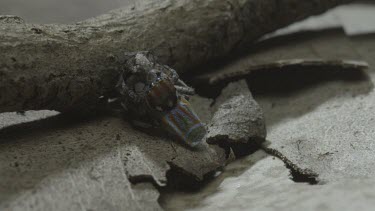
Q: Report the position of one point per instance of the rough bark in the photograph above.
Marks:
(61, 67)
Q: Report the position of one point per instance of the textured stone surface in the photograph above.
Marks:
(327, 126)
(264, 184)
(320, 120)
(65, 164)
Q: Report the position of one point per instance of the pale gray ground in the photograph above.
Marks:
(324, 125)
(328, 126)
(261, 182)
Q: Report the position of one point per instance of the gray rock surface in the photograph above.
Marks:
(319, 120)
(327, 127)
(69, 168)
(265, 185)
(64, 164)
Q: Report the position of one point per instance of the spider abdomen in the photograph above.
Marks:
(184, 123)
(162, 95)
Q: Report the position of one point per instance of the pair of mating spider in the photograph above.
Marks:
(154, 95)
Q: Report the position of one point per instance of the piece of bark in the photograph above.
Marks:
(322, 127)
(64, 67)
(230, 74)
(238, 119)
(235, 121)
(61, 164)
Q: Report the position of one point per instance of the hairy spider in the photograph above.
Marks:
(155, 96)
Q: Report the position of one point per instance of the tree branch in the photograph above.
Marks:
(64, 67)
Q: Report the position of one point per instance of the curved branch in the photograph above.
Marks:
(64, 67)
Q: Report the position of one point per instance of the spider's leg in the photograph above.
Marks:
(185, 90)
(173, 74)
(181, 83)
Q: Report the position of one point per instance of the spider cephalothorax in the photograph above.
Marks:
(156, 96)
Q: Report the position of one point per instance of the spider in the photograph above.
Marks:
(154, 95)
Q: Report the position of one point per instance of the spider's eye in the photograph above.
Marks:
(153, 76)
